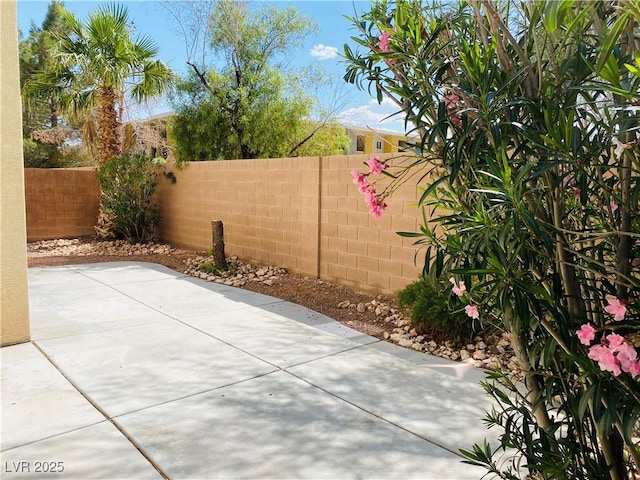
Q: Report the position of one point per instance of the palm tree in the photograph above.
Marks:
(98, 64)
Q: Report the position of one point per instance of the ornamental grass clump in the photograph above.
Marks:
(528, 119)
(127, 185)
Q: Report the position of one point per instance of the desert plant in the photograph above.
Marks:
(127, 184)
(431, 312)
(529, 127)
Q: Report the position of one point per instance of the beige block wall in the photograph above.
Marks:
(304, 214)
(60, 203)
(14, 301)
(357, 249)
(269, 209)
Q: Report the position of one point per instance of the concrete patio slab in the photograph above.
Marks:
(317, 320)
(73, 311)
(132, 368)
(95, 452)
(126, 272)
(280, 427)
(37, 399)
(58, 279)
(188, 297)
(272, 337)
(135, 372)
(413, 395)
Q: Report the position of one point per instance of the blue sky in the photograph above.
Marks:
(322, 49)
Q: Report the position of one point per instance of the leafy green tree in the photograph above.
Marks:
(528, 118)
(45, 131)
(251, 107)
(97, 63)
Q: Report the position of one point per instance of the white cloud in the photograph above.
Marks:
(324, 52)
(374, 115)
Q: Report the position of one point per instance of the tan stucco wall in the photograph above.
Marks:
(14, 303)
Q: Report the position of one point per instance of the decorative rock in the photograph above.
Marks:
(405, 342)
(386, 335)
(344, 304)
(268, 283)
(479, 355)
(361, 308)
(464, 354)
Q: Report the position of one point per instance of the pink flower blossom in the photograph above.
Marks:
(634, 369)
(375, 166)
(627, 356)
(614, 341)
(586, 334)
(360, 179)
(375, 204)
(472, 311)
(635, 262)
(613, 206)
(568, 181)
(383, 43)
(605, 358)
(458, 288)
(577, 193)
(616, 308)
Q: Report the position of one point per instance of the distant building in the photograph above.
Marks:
(364, 140)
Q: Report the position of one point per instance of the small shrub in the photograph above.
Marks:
(210, 268)
(428, 303)
(127, 184)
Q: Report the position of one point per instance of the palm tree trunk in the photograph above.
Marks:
(108, 123)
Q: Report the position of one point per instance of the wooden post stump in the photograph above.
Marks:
(217, 238)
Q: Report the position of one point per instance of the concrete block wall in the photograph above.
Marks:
(356, 249)
(60, 203)
(304, 214)
(269, 209)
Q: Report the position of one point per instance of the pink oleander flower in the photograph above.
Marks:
(613, 206)
(472, 311)
(458, 288)
(568, 181)
(375, 166)
(616, 308)
(375, 204)
(607, 361)
(383, 42)
(627, 356)
(586, 334)
(635, 262)
(360, 179)
(634, 369)
(614, 341)
(577, 193)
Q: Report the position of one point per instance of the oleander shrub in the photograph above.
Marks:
(127, 185)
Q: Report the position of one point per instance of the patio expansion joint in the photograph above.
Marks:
(376, 415)
(102, 412)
